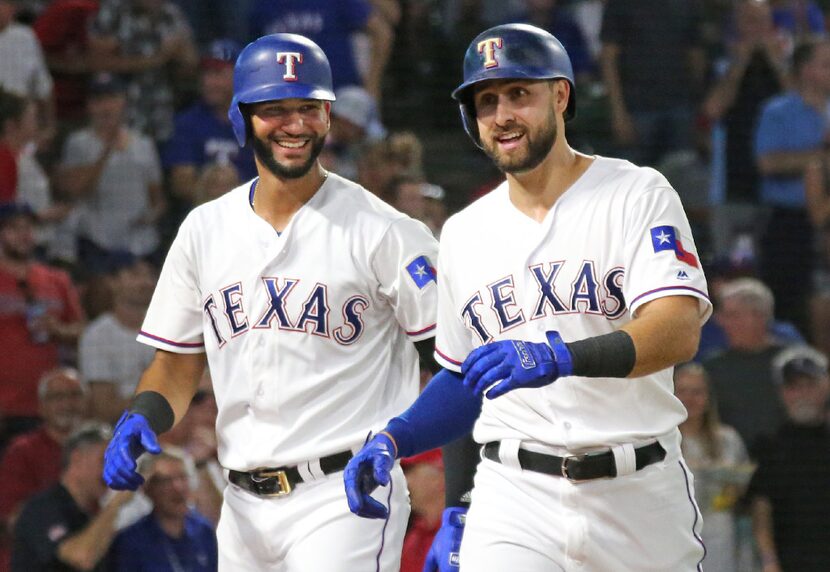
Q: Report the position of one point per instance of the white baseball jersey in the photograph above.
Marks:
(616, 239)
(308, 331)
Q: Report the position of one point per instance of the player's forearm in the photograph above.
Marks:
(85, 549)
(666, 332)
(174, 376)
(443, 412)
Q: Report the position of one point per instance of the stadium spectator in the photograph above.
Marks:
(15, 117)
(380, 162)
(754, 69)
(713, 339)
(425, 480)
(113, 173)
(817, 190)
(332, 26)
(40, 316)
(653, 66)
(150, 42)
(23, 68)
(354, 124)
(32, 460)
(173, 537)
(65, 527)
(550, 15)
(791, 132)
(62, 31)
(22, 178)
(215, 179)
(111, 360)
(203, 132)
(719, 462)
(195, 434)
(741, 376)
(789, 493)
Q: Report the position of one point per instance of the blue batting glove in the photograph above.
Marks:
(133, 436)
(443, 554)
(372, 466)
(517, 364)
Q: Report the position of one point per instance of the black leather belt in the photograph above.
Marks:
(280, 481)
(578, 467)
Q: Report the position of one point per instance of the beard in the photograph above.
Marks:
(262, 150)
(539, 144)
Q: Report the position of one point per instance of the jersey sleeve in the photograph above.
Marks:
(174, 318)
(660, 254)
(404, 263)
(452, 339)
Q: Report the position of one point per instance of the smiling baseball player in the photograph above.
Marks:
(306, 293)
(567, 315)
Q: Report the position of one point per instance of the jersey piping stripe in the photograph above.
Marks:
(446, 357)
(695, 290)
(419, 332)
(697, 517)
(170, 342)
(385, 524)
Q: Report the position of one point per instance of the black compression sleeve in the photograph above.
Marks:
(426, 351)
(609, 355)
(461, 458)
(155, 407)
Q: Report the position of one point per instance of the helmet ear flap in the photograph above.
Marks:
(468, 118)
(237, 122)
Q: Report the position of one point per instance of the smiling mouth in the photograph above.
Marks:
(510, 137)
(292, 144)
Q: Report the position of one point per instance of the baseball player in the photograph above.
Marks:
(305, 292)
(568, 316)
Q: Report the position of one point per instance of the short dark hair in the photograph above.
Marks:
(804, 51)
(87, 434)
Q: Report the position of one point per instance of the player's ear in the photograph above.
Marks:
(561, 95)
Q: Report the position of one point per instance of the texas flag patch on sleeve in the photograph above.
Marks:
(665, 238)
(421, 271)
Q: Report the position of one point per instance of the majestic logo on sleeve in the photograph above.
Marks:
(290, 60)
(665, 238)
(421, 271)
(582, 291)
(488, 49)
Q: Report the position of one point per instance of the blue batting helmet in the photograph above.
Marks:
(511, 51)
(279, 66)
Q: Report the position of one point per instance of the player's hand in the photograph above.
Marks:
(517, 364)
(133, 436)
(443, 554)
(372, 466)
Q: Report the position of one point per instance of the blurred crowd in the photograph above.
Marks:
(113, 126)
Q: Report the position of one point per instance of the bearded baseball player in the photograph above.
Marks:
(567, 314)
(305, 294)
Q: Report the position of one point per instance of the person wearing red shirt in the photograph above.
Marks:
(32, 460)
(40, 312)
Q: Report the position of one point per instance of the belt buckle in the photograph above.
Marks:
(565, 462)
(263, 475)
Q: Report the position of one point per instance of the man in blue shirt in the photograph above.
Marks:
(203, 132)
(173, 537)
(332, 26)
(791, 133)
